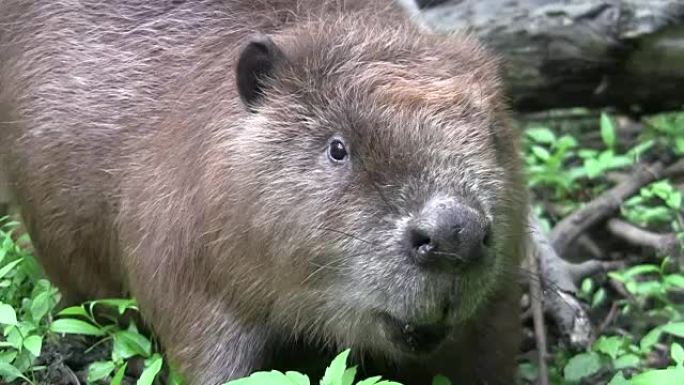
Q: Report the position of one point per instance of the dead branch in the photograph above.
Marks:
(560, 289)
(591, 53)
(568, 229)
(665, 244)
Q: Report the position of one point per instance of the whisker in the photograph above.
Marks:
(346, 234)
(383, 198)
(455, 255)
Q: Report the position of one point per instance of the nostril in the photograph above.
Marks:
(421, 243)
(419, 239)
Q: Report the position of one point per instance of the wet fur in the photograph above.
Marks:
(138, 171)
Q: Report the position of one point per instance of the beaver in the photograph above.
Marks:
(270, 178)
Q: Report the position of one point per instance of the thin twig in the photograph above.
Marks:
(622, 290)
(666, 244)
(579, 271)
(536, 296)
(612, 314)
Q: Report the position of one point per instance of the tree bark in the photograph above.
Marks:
(627, 54)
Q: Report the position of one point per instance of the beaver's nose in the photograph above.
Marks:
(447, 232)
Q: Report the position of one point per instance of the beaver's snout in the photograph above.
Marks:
(447, 232)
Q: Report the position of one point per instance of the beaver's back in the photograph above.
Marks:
(86, 84)
(78, 81)
(83, 86)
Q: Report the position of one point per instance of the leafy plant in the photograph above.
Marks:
(650, 313)
(547, 158)
(336, 374)
(126, 342)
(669, 128)
(658, 202)
(560, 163)
(26, 303)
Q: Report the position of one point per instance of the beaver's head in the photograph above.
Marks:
(379, 178)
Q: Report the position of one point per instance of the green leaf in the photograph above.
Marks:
(647, 288)
(333, 374)
(10, 373)
(662, 189)
(7, 315)
(640, 148)
(610, 346)
(77, 311)
(679, 145)
(132, 343)
(606, 158)
(565, 142)
(619, 162)
(677, 354)
(640, 270)
(151, 371)
(14, 337)
(298, 378)
(34, 344)
(675, 280)
(26, 328)
(8, 356)
(593, 168)
(607, 131)
(587, 286)
(675, 328)
(118, 377)
(8, 267)
(541, 153)
(348, 376)
(674, 200)
(74, 326)
(40, 306)
(273, 377)
(99, 370)
(541, 135)
(370, 381)
(440, 380)
(528, 371)
(586, 153)
(618, 276)
(120, 304)
(651, 338)
(581, 366)
(672, 376)
(627, 361)
(599, 298)
(618, 379)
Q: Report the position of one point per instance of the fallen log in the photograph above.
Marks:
(627, 54)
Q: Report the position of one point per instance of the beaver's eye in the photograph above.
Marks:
(336, 151)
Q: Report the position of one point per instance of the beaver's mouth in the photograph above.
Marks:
(415, 338)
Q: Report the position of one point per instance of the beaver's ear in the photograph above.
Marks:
(259, 57)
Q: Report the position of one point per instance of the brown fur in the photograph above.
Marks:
(138, 170)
